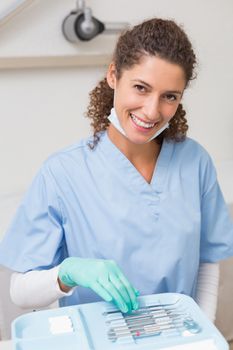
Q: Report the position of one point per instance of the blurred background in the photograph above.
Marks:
(44, 86)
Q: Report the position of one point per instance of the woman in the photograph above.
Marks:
(134, 209)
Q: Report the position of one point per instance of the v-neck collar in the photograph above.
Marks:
(118, 160)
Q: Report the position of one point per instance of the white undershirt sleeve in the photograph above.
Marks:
(36, 289)
(207, 289)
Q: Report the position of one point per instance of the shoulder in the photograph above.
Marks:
(190, 151)
(191, 147)
(67, 159)
(74, 152)
(191, 157)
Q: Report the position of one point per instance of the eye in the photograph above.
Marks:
(170, 97)
(140, 88)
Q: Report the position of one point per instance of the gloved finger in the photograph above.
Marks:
(116, 296)
(102, 292)
(121, 289)
(130, 290)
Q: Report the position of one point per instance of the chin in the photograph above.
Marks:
(139, 140)
(139, 137)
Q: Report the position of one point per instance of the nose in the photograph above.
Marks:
(151, 108)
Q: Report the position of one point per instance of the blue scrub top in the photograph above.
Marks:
(95, 204)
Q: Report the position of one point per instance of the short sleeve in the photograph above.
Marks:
(34, 239)
(216, 223)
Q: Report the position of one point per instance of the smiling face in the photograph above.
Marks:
(146, 96)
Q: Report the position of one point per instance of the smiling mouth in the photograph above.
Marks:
(141, 123)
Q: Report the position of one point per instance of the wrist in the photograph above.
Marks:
(62, 286)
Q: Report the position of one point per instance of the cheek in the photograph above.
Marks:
(125, 100)
(169, 111)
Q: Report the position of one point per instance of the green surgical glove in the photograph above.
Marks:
(104, 277)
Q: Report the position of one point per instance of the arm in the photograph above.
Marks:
(207, 289)
(36, 289)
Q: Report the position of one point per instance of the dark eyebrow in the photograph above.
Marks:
(142, 82)
(174, 92)
(149, 86)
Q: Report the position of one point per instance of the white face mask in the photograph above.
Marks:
(115, 121)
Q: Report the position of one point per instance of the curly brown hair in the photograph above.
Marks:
(154, 37)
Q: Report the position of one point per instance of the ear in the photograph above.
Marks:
(111, 75)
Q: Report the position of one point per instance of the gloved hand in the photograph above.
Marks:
(103, 276)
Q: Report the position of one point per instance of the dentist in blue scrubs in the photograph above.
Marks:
(134, 209)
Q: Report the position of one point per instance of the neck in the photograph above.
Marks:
(143, 153)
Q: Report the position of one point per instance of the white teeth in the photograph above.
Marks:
(141, 123)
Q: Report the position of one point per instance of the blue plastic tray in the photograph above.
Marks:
(91, 324)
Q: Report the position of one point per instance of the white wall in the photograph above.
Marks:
(41, 110)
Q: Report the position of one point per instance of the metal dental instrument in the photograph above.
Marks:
(147, 318)
(154, 314)
(144, 324)
(151, 320)
(145, 308)
(139, 316)
(154, 330)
